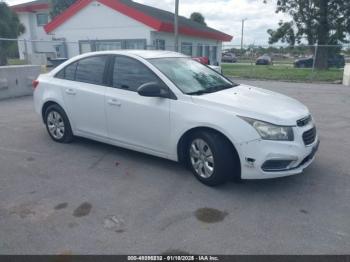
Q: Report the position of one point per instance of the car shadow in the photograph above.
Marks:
(133, 156)
(275, 185)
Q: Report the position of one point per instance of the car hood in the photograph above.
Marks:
(257, 103)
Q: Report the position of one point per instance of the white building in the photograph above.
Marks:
(114, 24)
(34, 16)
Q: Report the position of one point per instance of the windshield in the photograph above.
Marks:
(192, 77)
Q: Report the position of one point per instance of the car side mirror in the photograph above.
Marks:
(152, 89)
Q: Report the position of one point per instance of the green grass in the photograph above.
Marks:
(16, 62)
(281, 61)
(281, 72)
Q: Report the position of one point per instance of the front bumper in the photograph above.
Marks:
(255, 153)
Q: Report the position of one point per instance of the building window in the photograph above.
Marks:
(207, 52)
(160, 44)
(214, 55)
(42, 19)
(85, 47)
(135, 44)
(108, 45)
(186, 48)
(200, 50)
(105, 45)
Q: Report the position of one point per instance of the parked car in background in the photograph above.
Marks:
(229, 58)
(304, 62)
(335, 61)
(264, 60)
(202, 59)
(165, 104)
(205, 61)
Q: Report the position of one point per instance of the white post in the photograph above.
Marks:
(242, 36)
(26, 56)
(315, 57)
(346, 78)
(176, 25)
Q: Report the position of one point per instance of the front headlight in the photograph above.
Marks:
(269, 131)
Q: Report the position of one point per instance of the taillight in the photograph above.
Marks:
(35, 83)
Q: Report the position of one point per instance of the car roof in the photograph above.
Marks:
(146, 54)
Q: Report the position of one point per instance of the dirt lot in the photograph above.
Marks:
(91, 198)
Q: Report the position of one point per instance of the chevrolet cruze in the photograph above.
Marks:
(168, 105)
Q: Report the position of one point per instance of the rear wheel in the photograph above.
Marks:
(57, 124)
(212, 159)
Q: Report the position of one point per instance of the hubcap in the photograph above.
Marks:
(55, 124)
(202, 159)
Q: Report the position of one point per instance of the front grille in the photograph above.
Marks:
(304, 121)
(309, 136)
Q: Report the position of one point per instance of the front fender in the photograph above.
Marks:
(186, 116)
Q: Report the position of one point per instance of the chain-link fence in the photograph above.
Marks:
(299, 63)
(35, 52)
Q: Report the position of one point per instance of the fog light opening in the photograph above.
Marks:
(276, 165)
(250, 161)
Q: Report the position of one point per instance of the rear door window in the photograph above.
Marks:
(88, 70)
(91, 70)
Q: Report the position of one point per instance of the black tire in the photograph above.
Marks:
(67, 136)
(226, 160)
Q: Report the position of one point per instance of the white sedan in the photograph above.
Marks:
(165, 104)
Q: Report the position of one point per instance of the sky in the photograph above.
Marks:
(226, 16)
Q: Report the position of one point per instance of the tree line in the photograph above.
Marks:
(317, 22)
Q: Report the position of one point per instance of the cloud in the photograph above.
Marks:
(226, 16)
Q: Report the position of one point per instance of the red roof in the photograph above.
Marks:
(32, 6)
(155, 18)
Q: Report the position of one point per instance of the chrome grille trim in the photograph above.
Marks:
(304, 121)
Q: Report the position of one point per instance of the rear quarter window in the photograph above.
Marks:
(87, 70)
(68, 73)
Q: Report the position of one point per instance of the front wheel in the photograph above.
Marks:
(57, 124)
(212, 158)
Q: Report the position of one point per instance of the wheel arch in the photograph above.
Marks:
(46, 106)
(184, 140)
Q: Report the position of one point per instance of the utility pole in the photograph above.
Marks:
(176, 25)
(243, 20)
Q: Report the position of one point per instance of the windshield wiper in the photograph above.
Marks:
(199, 92)
(221, 87)
(212, 89)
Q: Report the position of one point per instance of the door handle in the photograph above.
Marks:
(114, 102)
(71, 91)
